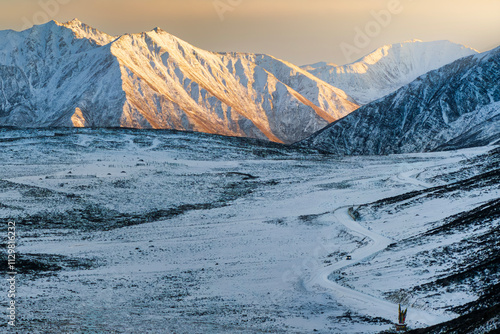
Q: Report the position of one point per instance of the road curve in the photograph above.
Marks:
(358, 301)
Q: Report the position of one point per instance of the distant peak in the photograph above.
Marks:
(411, 42)
(415, 40)
(162, 33)
(82, 30)
(48, 23)
(75, 21)
(443, 43)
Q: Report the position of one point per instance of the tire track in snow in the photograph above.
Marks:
(409, 177)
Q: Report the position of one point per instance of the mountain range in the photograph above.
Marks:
(389, 68)
(72, 75)
(456, 106)
(69, 74)
(127, 230)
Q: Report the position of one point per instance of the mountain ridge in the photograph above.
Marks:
(389, 67)
(165, 83)
(70, 74)
(453, 107)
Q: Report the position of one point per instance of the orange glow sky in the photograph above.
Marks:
(300, 31)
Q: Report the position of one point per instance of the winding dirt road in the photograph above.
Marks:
(358, 301)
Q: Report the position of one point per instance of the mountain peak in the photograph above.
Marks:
(162, 33)
(390, 67)
(84, 31)
(156, 80)
(455, 106)
(414, 40)
(74, 21)
(415, 48)
(158, 31)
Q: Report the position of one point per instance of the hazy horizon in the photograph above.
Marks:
(299, 31)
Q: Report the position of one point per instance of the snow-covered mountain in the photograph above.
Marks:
(452, 107)
(389, 68)
(73, 75)
(57, 75)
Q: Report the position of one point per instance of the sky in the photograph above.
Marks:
(300, 31)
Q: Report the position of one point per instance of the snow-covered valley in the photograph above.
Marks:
(126, 231)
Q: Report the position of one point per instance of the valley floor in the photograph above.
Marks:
(127, 231)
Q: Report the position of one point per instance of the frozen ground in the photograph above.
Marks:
(165, 232)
